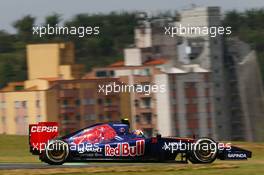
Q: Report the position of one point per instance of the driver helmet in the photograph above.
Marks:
(138, 132)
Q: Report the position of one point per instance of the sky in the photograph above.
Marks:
(11, 10)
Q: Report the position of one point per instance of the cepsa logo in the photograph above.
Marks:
(124, 149)
(44, 129)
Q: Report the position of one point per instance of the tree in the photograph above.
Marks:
(6, 73)
(53, 19)
(6, 42)
(24, 27)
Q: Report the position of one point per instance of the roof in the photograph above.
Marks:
(32, 88)
(175, 70)
(117, 64)
(186, 69)
(157, 61)
(16, 83)
(194, 68)
(50, 78)
(152, 62)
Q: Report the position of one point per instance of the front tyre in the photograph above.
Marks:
(204, 151)
(56, 152)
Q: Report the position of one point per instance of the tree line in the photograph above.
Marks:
(116, 33)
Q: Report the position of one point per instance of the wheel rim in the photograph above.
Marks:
(205, 150)
(57, 151)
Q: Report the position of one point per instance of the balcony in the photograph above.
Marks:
(144, 110)
(139, 79)
(68, 93)
(111, 108)
(68, 110)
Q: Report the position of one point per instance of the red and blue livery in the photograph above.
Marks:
(115, 142)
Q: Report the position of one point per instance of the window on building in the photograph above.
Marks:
(215, 41)
(88, 101)
(108, 101)
(194, 100)
(217, 84)
(37, 103)
(61, 76)
(157, 49)
(101, 73)
(24, 104)
(99, 101)
(112, 73)
(216, 71)
(90, 117)
(3, 119)
(137, 118)
(77, 102)
(146, 102)
(108, 116)
(187, 101)
(145, 72)
(2, 104)
(39, 118)
(17, 104)
(78, 117)
(147, 117)
(66, 117)
(207, 92)
(16, 119)
(136, 102)
(65, 102)
(173, 101)
(186, 85)
(218, 99)
(101, 117)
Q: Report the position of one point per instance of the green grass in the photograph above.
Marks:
(15, 149)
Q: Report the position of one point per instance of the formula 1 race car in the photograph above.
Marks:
(114, 141)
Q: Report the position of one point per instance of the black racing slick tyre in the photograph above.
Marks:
(56, 152)
(204, 151)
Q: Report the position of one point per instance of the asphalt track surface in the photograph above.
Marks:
(10, 166)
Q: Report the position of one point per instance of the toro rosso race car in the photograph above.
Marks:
(114, 141)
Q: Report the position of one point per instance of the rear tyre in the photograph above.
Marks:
(204, 151)
(56, 152)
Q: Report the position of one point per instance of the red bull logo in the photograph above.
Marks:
(124, 149)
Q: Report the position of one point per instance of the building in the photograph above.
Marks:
(237, 104)
(55, 92)
(53, 60)
(245, 89)
(186, 109)
(208, 52)
(233, 107)
(186, 106)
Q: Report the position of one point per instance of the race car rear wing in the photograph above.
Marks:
(40, 134)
